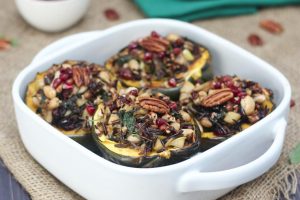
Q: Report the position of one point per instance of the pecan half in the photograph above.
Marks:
(271, 26)
(218, 97)
(153, 104)
(155, 44)
(80, 76)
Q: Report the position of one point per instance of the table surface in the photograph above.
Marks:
(10, 189)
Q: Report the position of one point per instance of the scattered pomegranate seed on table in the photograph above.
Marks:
(292, 103)
(255, 40)
(271, 26)
(111, 14)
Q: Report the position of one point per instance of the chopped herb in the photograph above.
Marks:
(128, 120)
(295, 155)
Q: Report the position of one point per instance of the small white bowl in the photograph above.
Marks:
(52, 15)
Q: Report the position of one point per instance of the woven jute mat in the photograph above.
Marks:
(282, 51)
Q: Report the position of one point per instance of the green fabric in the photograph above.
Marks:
(189, 10)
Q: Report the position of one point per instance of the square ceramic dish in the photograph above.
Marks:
(207, 175)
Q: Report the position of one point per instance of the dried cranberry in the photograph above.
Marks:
(148, 56)
(125, 73)
(194, 94)
(176, 51)
(56, 82)
(229, 83)
(216, 85)
(155, 34)
(69, 81)
(179, 42)
(160, 122)
(90, 109)
(161, 55)
(236, 100)
(67, 86)
(242, 94)
(173, 105)
(132, 46)
(64, 77)
(172, 82)
(292, 103)
(134, 92)
(111, 14)
(255, 40)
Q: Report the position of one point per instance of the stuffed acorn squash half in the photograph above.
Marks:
(65, 96)
(225, 106)
(161, 63)
(141, 129)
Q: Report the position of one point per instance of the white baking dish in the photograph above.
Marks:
(206, 175)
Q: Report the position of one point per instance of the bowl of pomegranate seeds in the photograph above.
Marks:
(174, 109)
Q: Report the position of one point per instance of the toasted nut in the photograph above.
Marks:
(178, 142)
(187, 132)
(187, 87)
(53, 103)
(49, 92)
(87, 94)
(133, 64)
(158, 145)
(128, 90)
(232, 117)
(153, 116)
(253, 118)
(203, 87)
(104, 75)
(35, 101)
(206, 122)
(134, 138)
(185, 116)
(259, 98)
(172, 37)
(80, 101)
(218, 97)
(248, 105)
(187, 55)
(169, 118)
(48, 116)
(266, 93)
(113, 118)
(176, 126)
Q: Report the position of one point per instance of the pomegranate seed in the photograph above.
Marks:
(255, 40)
(111, 14)
(236, 100)
(229, 83)
(161, 55)
(172, 82)
(155, 34)
(148, 56)
(132, 46)
(160, 122)
(226, 78)
(64, 76)
(176, 51)
(69, 81)
(90, 109)
(216, 85)
(125, 73)
(173, 105)
(134, 92)
(179, 42)
(56, 82)
(292, 103)
(67, 86)
(242, 94)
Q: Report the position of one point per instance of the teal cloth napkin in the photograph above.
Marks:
(189, 10)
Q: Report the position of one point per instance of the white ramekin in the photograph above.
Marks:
(207, 175)
(52, 15)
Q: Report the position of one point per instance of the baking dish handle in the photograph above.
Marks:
(196, 181)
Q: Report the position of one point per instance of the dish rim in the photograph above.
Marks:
(279, 110)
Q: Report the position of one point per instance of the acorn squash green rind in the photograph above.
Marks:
(176, 155)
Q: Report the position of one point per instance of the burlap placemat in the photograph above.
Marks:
(281, 51)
